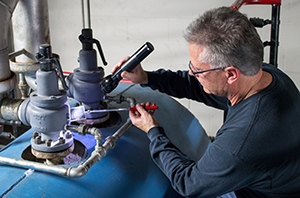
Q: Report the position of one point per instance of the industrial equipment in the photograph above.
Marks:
(56, 148)
(86, 78)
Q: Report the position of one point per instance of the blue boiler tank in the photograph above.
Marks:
(126, 171)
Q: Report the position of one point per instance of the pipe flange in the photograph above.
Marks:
(94, 76)
(8, 84)
(48, 101)
(57, 156)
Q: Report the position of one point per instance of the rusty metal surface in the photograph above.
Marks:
(8, 84)
(20, 67)
(9, 108)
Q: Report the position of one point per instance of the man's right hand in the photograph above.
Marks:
(137, 75)
(143, 119)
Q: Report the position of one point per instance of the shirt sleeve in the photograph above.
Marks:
(181, 85)
(216, 173)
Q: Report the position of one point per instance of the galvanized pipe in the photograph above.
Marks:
(99, 152)
(121, 131)
(33, 165)
(9, 108)
(86, 14)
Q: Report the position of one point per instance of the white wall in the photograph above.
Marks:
(123, 26)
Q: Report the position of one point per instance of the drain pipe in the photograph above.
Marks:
(99, 152)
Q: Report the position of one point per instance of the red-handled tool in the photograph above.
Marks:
(146, 107)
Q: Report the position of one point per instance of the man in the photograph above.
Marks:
(256, 152)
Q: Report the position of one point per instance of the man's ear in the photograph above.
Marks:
(232, 74)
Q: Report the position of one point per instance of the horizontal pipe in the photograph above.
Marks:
(9, 108)
(33, 165)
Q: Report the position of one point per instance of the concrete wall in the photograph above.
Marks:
(123, 26)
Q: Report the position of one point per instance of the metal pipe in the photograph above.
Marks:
(9, 108)
(131, 101)
(31, 80)
(33, 165)
(86, 14)
(274, 43)
(74, 172)
(119, 99)
(237, 4)
(6, 9)
(31, 28)
(99, 153)
(7, 135)
(122, 130)
(23, 86)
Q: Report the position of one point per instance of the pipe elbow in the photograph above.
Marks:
(96, 132)
(77, 172)
(131, 100)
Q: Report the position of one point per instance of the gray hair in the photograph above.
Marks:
(228, 39)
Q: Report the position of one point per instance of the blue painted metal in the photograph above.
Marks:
(127, 170)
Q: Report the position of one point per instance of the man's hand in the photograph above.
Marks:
(137, 75)
(143, 119)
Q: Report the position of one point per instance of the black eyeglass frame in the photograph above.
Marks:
(200, 72)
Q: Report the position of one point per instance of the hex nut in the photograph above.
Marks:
(48, 142)
(62, 140)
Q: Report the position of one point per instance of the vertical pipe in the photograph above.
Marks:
(31, 27)
(6, 9)
(86, 14)
(82, 12)
(274, 35)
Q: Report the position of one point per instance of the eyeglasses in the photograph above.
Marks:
(191, 67)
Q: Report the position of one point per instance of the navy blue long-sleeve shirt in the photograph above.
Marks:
(256, 152)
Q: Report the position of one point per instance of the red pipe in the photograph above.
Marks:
(276, 2)
(238, 3)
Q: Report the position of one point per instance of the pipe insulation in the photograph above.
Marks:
(6, 9)
(9, 108)
(30, 28)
